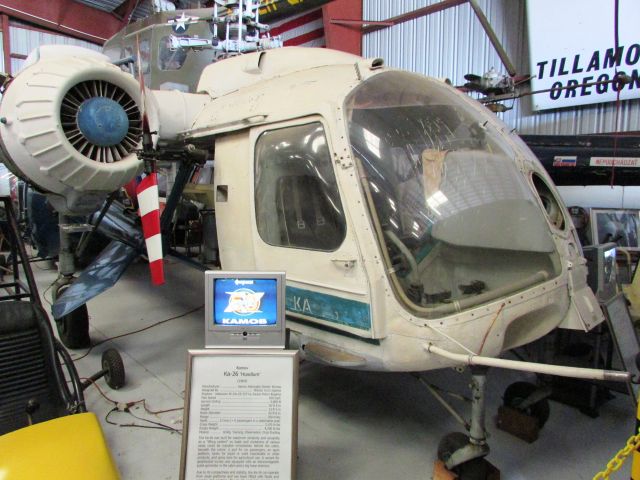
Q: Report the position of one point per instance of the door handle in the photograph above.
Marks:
(345, 263)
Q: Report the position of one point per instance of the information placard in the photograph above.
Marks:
(241, 415)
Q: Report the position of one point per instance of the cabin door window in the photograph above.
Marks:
(302, 229)
(297, 200)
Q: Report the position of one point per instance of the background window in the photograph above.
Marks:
(168, 58)
(297, 200)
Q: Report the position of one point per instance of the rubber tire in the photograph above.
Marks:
(73, 329)
(475, 469)
(450, 443)
(112, 363)
(518, 391)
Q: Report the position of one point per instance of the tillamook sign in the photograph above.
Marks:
(572, 45)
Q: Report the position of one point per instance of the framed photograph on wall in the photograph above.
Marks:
(620, 226)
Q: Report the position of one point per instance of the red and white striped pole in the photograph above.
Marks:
(147, 191)
(149, 206)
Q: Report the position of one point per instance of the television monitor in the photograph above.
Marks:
(601, 262)
(620, 226)
(244, 309)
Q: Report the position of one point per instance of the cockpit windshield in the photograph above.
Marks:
(457, 221)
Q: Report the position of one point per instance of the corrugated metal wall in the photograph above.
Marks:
(23, 39)
(452, 43)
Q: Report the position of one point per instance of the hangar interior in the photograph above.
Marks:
(450, 188)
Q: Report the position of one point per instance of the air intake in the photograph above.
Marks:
(71, 126)
(101, 121)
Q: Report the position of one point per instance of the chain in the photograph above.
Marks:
(616, 462)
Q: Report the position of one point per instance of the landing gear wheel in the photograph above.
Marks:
(519, 391)
(475, 469)
(73, 328)
(450, 443)
(112, 363)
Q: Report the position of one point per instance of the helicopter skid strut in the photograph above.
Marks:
(458, 452)
(477, 446)
(543, 368)
(464, 454)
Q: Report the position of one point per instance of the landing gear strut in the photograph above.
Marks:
(462, 454)
(73, 328)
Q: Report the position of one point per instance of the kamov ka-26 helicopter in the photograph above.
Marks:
(416, 230)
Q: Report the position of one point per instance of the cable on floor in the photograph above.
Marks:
(155, 425)
(125, 407)
(136, 331)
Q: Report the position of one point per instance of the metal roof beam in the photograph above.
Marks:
(65, 16)
(340, 34)
(405, 17)
(125, 10)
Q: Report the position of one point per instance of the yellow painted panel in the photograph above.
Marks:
(635, 468)
(66, 448)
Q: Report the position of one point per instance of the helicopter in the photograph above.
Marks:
(416, 230)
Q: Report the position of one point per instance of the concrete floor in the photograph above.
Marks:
(352, 425)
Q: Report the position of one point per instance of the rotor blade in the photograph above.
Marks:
(140, 75)
(149, 204)
(147, 143)
(98, 277)
(520, 79)
(118, 224)
(476, 87)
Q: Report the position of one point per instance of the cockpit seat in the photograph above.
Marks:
(27, 367)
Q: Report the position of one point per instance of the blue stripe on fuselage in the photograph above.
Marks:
(330, 308)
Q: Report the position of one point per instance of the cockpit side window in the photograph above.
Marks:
(141, 65)
(455, 219)
(296, 194)
(551, 205)
(170, 57)
(114, 53)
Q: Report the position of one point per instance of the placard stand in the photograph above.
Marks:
(624, 336)
(241, 415)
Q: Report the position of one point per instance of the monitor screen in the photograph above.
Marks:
(618, 226)
(248, 302)
(601, 262)
(244, 309)
(609, 266)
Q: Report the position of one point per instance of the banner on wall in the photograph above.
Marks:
(271, 10)
(572, 51)
(301, 30)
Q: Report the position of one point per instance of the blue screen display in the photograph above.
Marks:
(245, 302)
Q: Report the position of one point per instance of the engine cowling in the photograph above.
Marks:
(70, 126)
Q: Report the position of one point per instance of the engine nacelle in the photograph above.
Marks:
(70, 126)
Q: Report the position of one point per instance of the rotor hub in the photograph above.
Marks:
(103, 121)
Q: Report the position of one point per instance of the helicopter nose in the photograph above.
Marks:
(102, 121)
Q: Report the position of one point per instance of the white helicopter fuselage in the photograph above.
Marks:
(403, 212)
(344, 302)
